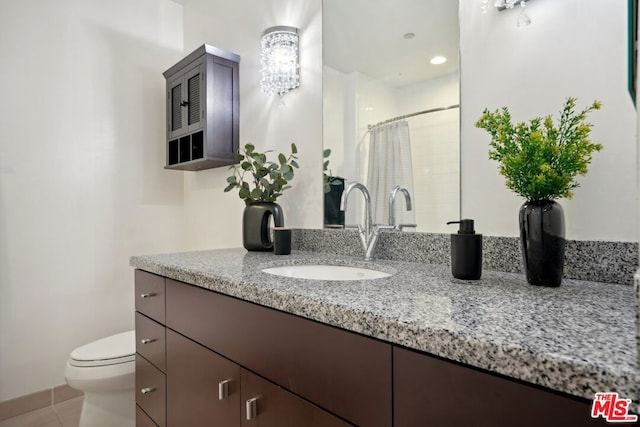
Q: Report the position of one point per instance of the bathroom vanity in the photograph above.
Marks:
(221, 342)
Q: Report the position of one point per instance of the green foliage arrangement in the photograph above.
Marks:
(540, 160)
(269, 179)
(329, 179)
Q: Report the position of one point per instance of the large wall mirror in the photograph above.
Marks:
(391, 108)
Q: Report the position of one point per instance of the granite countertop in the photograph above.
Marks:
(578, 338)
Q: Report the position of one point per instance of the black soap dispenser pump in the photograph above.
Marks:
(466, 251)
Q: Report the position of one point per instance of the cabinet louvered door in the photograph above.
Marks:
(195, 97)
(185, 99)
(176, 114)
(186, 103)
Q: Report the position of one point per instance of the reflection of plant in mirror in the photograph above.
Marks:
(540, 160)
(270, 179)
(329, 179)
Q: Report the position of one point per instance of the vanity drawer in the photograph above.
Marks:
(343, 372)
(151, 390)
(150, 295)
(150, 341)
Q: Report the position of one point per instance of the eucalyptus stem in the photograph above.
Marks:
(270, 178)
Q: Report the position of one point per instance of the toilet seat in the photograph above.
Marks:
(113, 350)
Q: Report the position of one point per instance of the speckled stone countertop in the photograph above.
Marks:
(579, 338)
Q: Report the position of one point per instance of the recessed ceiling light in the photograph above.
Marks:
(437, 60)
(409, 35)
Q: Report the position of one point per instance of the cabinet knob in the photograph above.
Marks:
(252, 408)
(147, 390)
(147, 295)
(147, 340)
(223, 389)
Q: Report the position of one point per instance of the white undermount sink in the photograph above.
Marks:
(326, 272)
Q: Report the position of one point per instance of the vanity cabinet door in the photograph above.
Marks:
(143, 420)
(432, 392)
(203, 388)
(267, 405)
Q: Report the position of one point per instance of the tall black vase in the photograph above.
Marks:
(255, 225)
(542, 242)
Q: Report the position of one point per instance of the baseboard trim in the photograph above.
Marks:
(38, 400)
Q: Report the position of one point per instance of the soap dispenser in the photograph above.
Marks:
(466, 251)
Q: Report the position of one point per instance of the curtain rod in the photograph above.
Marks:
(406, 116)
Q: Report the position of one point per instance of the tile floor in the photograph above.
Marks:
(63, 414)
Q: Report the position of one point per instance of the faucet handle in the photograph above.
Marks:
(399, 227)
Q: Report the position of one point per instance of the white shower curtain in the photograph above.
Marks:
(390, 165)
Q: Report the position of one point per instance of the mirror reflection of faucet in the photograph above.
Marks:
(370, 232)
(392, 198)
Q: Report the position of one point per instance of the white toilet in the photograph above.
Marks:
(105, 371)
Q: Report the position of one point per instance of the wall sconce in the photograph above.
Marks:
(279, 60)
(523, 18)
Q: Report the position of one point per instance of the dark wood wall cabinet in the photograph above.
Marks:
(203, 110)
(204, 358)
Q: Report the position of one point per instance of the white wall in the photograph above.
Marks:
(574, 48)
(213, 218)
(81, 181)
(334, 87)
(435, 151)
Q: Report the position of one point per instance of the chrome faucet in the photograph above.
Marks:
(370, 232)
(392, 198)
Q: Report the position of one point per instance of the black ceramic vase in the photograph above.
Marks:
(542, 242)
(255, 225)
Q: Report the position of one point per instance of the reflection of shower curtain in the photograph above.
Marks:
(390, 165)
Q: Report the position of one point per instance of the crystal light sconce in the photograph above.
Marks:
(523, 18)
(279, 61)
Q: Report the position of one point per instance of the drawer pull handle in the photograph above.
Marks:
(147, 340)
(252, 408)
(223, 389)
(147, 390)
(147, 295)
